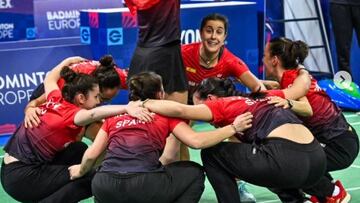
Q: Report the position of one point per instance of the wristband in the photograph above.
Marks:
(233, 127)
(290, 103)
(143, 103)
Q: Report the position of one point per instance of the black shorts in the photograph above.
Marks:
(165, 61)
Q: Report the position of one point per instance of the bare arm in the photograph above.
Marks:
(50, 82)
(251, 81)
(90, 156)
(85, 117)
(300, 87)
(301, 107)
(199, 140)
(178, 110)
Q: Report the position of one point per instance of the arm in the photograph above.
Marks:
(300, 107)
(85, 117)
(178, 110)
(271, 84)
(171, 151)
(32, 112)
(90, 156)
(50, 82)
(300, 87)
(250, 81)
(199, 140)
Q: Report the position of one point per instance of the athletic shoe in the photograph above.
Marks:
(245, 195)
(342, 197)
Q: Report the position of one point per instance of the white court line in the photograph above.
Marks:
(356, 123)
(352, 188)
(268, 201)
(351, 116)
(354, 166)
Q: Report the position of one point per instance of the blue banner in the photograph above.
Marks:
(58, 19)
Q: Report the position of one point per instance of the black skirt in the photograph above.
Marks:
(165, 61)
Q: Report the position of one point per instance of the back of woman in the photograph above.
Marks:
(266, 117)
(326, 115)
(136, 144)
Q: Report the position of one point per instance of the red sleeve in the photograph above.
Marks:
(123, 73)
(238, 67)
(54, 95)
(173, 122)
(105, 125)
(217, 109)
(135, 5)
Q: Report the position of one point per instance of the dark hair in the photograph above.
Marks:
(144, 85)
(215, 16)
(291, 53)
(220, 87)
(106, 73)
(76, 83)
(223, 87)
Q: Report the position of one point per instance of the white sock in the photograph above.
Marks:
(336, 191)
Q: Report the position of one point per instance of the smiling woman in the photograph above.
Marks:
(210, 58)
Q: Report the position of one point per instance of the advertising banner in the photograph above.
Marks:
(55, 18)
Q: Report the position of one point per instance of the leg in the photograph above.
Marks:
(343, 34)
(340, 154)
(79, 189)
(180, 182)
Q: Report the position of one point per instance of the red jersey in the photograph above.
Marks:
(134, 145)
(225, 110)
(87, 67)
(326, 115)
(56, 130)
(228, 65)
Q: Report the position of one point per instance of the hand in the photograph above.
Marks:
(74, 171)
(32, 117)
(242, 122)
(134, 109)
(279, 102)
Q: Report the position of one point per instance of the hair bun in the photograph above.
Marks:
(107, 61)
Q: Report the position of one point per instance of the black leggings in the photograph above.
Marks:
(340, 152)
(276, 163)
(47, 182)
(181, 182)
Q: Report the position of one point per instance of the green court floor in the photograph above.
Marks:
(350, 177)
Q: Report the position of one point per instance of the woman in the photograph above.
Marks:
(283, 58)
(110, 79)
(133, 149)
(39, 157)
(276, 152)
(210, 58)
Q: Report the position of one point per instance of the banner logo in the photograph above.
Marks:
(114, 36)
(30, 33)
(85, 35)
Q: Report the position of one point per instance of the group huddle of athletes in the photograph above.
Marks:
(286, 135)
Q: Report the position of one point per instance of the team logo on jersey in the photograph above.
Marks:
(190, 69)
(114, 36)
(85, 35)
